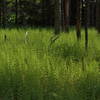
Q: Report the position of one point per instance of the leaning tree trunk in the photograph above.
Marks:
(98, 15)
(78, 20)
(57, 16)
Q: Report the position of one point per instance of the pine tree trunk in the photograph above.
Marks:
(98, 15)
(57, 16)
(78, 20)
(66, 14)
(86, 23)
(0, 13)
(4, 14)
(16, 5)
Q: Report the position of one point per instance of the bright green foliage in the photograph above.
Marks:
(30, 69)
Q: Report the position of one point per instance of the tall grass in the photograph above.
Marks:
(32, 70)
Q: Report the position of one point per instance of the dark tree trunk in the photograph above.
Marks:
(20, 10)
(43, 12)
(4, 14)
(66, 15)
(57, 16)
(16, 5)
(98, 15)
(78, 20)
(86, 24)
(0, 13)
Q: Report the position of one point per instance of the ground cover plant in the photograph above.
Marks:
(32, 69)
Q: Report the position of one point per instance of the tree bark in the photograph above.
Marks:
(0, 13)
(57, 16)
(16, 5)
(78, 20)
(4, 14)
(66, 15)
(98, 15)
(86, 24)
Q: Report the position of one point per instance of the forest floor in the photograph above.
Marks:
(32, 69)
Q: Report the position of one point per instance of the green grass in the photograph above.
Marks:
(34, 70)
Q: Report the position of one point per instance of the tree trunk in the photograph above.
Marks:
(16, 5)
(0, 13)
(57, 16)
(66, 15)
(86, 24)
(4, 14)
(78, 20)
(98, 15)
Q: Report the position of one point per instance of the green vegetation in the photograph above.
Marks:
(31, 69)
